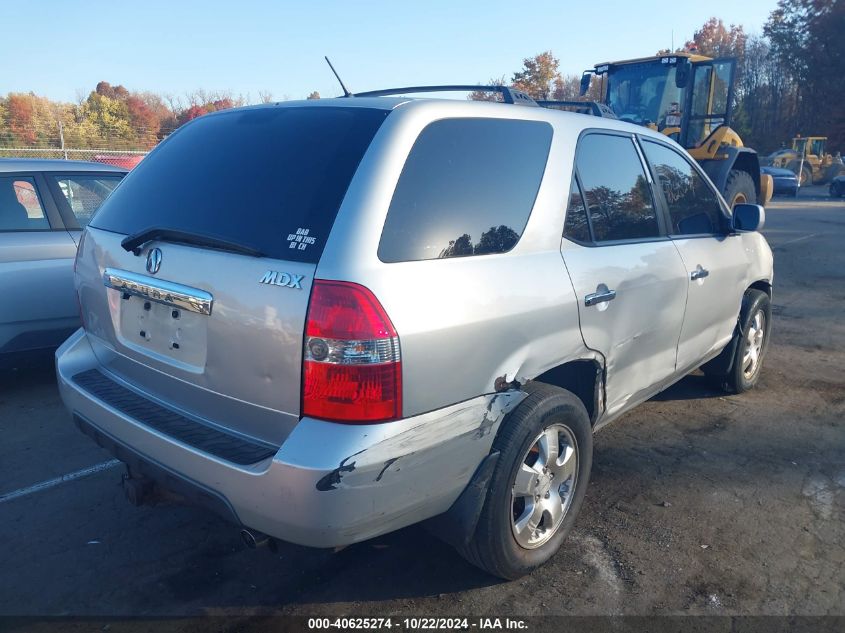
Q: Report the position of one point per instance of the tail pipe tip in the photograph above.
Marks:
(255, 540)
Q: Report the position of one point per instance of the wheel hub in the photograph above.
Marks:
(543, 486)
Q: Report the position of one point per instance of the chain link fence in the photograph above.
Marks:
(50, 138)
(119, 158)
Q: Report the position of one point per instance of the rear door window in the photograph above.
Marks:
(616, 189)
(269, 178)
(85, 193)
(576, 227)
(467, 188)
(693, 206)
(20, 206)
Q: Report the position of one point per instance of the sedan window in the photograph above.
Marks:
(20, 207)
(85, 194)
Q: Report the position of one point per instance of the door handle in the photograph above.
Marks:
(699, 273)
(599, 297)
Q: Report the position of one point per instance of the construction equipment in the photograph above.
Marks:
(809, 161)
(687, 97)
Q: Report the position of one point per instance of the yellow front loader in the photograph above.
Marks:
(809, 161)
(687, 97)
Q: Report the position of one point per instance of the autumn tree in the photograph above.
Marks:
(202, 103)
(538, 75)
(486, 95)
(28, 120)
(314, 95)
(714, 39)
(20, 113)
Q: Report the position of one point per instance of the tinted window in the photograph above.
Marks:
(576, 226)
(467, 188)
(85, 194)
(693, 205)
(616, 190)
(270, 178)
(20, 206)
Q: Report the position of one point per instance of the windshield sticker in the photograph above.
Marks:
(301, 240)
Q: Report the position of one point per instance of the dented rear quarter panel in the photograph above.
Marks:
(462, 322)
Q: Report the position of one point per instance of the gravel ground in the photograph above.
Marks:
(698, 504)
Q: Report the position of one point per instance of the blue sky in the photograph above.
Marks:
(61, 48)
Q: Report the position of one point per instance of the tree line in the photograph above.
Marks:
(109, 117)
(789, 81)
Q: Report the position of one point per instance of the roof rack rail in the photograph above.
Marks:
(582, 107)
(509, 95)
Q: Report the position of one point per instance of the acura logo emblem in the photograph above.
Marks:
(154, 261)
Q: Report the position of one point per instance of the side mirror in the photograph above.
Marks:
(748, 217)
(585, 83)
(682, 72)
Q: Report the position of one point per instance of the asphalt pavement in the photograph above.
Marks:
(699, 503)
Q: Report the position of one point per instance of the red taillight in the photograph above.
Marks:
(352, 369)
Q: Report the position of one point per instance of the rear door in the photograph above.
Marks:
(208, 313)
(37, 308)
(627, 275)
(715, 260)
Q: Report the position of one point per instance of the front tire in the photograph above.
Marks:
(538, 486)
(739, 188)
(755, 325)
(806, 177)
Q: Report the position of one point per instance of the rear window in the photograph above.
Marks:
(268, 178)
(467, 188)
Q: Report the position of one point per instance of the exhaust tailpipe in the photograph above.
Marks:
(254, 540)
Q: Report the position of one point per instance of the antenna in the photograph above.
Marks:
(346, 92)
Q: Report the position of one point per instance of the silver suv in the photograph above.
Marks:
(331, 319)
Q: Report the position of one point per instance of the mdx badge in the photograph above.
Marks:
(154, 261)
(282, 279)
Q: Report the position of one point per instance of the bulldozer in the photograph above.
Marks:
(687, 97)
(809, 161)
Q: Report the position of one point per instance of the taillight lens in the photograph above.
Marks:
(352, 369)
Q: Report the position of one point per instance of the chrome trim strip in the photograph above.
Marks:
(159, 290)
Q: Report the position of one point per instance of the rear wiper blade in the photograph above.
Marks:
(134, 242)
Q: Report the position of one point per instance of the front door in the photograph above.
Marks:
(715, 261)
(628, 276)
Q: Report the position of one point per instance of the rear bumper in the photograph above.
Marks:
(327, 485)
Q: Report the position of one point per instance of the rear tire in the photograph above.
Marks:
(500, 546)
(739, 188)
(755, 325)
(806, 177)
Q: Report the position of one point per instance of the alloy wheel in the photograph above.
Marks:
(544, 486)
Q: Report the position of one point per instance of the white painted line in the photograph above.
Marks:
(797, 239)
(51, 483)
